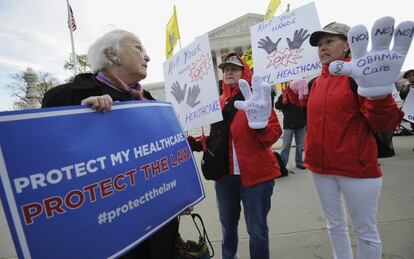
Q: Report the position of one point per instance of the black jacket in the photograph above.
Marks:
(82, 87)
(294, 116)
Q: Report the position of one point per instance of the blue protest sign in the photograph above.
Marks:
(80, 184)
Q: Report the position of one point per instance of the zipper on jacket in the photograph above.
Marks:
(324, 123)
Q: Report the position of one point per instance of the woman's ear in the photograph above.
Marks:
(112, 57)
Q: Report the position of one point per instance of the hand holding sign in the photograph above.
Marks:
(300, 87)
(258, 105)
(376, 71)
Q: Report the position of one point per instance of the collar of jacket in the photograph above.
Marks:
(85, 81)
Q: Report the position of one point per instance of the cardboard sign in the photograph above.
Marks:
(191, 86)
(281, 48)
(80, 184)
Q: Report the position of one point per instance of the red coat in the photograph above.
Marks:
(340, 126)
(256, 160)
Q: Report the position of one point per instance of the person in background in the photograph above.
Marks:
(340, 148)
(119, 62)
(405, 89)
(252, 165)
(294, 125)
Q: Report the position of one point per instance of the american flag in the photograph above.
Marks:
(71, 20)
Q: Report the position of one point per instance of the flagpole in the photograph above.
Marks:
(179, 39)
(75, 67)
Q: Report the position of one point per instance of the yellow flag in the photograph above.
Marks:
(271, 9)
(247, 57)
(172, 35)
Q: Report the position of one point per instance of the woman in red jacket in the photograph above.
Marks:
(340, 149)
(252, 165)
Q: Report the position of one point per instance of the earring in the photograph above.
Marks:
(116, 61)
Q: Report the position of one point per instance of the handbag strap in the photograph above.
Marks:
(230, 109)
(204, 235)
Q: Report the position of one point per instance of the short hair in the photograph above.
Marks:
(112, 40)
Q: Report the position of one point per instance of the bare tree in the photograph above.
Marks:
(18, 87)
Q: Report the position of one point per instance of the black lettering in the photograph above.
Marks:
(387, 30)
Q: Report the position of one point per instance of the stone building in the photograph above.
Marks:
(233, 36)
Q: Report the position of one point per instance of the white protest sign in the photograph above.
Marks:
(408, 106)
(190, 85)
(396, 95)
(281, 48)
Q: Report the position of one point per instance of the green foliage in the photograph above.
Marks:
(82, 65)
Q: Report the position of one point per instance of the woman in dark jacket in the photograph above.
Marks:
(120, 62)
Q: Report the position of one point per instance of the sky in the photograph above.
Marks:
(35, 33)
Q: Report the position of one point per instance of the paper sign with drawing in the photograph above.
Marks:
(408, 106)
(191, 86)
(281, 49)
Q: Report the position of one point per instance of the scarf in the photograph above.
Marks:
(136, 91)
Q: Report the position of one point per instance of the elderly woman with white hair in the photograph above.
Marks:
(119, 62)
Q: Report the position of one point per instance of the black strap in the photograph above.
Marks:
(229, 111)
(204, 235)
(352, 83)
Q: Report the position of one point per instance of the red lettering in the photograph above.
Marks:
(173, 162)
(106, 187)
(155, 167)
(90, 189)
(80, 199)
(145, 169)
(117, 186)
(131, 175)
(31, 211)
(164, 164)
(53, 205)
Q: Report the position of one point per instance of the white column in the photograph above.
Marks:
(218, 60)
(32, 93)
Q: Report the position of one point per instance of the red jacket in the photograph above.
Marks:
(256, 160)
(340, 126)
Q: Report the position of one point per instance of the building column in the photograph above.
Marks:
(32, 93)
(218, 60)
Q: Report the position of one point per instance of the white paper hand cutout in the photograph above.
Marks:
(376, 71)
(257, 105)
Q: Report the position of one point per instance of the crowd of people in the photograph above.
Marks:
(332, 124)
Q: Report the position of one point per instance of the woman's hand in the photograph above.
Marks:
(376, 71)
(187, 211)
(101, 103)
(258, 102)
(196, 144)
(300, 87)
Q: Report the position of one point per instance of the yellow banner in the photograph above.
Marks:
(247, 57)
(271, 9)
(172, 35)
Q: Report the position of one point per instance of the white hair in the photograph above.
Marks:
(112, 40)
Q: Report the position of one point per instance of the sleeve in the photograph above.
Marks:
(404, 92)
(269, 135)
(52, 98)
(279, 103)
(383, 114)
